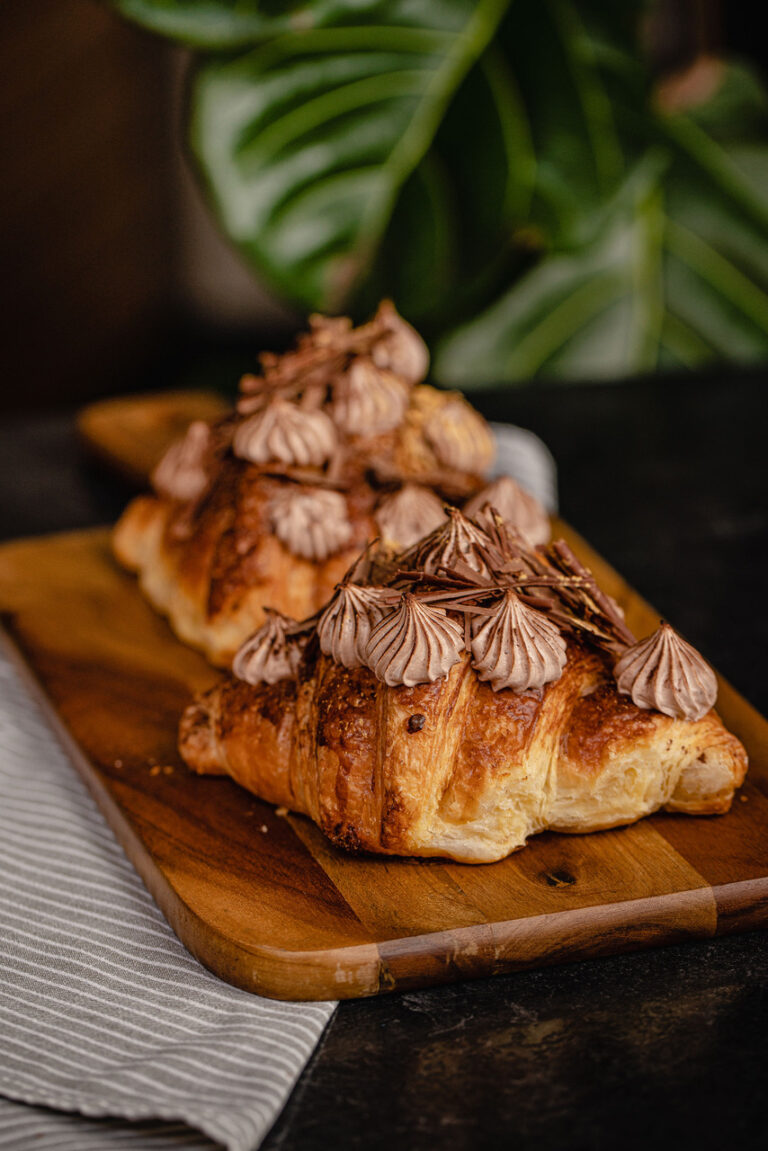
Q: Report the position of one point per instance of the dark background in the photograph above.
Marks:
(110, 276)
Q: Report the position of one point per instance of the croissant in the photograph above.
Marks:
(334, 444)
(459, 714)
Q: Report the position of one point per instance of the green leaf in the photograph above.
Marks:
(453, 153)
(201, 23)
(308, 143)
(226, 24)
(677, 274)
(579, 158)
(412, 159)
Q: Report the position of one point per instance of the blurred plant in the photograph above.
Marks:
(506, 170)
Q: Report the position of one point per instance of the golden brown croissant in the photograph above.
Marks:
(212, 569)
(453, 768)
(464, 701)
(334, 444)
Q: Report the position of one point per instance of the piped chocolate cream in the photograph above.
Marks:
(284, 433)
(181, 473)
(460, 438)
(515, 505)
(415, 643)
(665, 673)
(273, 653)
(369, 399)
(311, 522)
(455, 545)
(344, 628)
(479, 593)
(516, 646)
(399, 348)
(406, 516)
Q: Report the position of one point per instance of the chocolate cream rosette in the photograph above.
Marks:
(335, 443)
(462, 695)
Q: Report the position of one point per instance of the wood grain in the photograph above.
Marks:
(266, 901)
(130, 433)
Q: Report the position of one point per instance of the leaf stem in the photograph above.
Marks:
(594, 101)
(647, 281)
(562, 322)
(418, 136)
(719, 272)
(709, 155)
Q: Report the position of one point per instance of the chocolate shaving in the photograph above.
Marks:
(548, 579)
(308, 371)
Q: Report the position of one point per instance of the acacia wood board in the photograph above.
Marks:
(130, 433)
(264, 900)
(267, 903)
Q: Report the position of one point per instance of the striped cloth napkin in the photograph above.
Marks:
(102, 1011)
(108, 1026)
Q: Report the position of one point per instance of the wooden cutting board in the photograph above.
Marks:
(263, 900)
(130, 433)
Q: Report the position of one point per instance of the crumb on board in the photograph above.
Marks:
(281, 811)
(744, 798)
(118, 763)
(167, 770)
(155, 769)
(263, 829)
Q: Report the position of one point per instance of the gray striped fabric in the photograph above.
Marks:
(102, 1011)
(23, 1128)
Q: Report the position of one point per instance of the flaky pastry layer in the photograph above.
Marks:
(453, 769)
(212, 573)
(214, 565)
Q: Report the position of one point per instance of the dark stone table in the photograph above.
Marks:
(668, 480)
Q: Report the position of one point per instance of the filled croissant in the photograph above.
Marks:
(335, 443)
(459, 697)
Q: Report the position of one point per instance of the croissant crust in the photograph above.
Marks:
(214, 567)
(213, 564)
(452, 768)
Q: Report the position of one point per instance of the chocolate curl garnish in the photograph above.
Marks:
(596, 601)
(359, 571)
(574, 599)
(320, 357)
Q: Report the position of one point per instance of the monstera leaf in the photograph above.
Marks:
(676, 276)
(224, 24)
(496, 166)
(415, 160)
